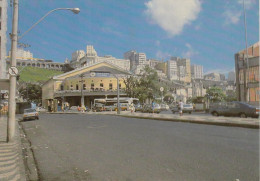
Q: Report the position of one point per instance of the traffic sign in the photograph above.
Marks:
(161, 89)
(13, 71)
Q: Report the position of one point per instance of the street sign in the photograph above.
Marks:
(13, 71)
(161, 89)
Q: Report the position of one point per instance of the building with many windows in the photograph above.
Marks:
(97, 80)
(172, 70)
(251, 70)
(3, 41)
(80, 59)
(197, 71)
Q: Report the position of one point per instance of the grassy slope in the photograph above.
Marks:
(34, 74)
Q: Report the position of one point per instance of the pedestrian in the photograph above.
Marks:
(153, 105)
(180, 107)
(132, 107)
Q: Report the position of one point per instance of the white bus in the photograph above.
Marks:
(111, 103)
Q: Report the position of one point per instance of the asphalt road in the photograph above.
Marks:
(103, 148)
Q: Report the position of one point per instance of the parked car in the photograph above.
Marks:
(73, 109)
(40, 109)
(98, 107)
(147, 108)
(235, 108)
(138, 107)
(187, 108)
(123, 106)
(164, 107)
(30, 114)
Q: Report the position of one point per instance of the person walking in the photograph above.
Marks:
(180, 107)
(153, 105)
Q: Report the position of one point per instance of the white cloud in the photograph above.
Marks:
(233, 13)
(190, 52)
(162, 55)
(232, 17)
(197, 27)
(220, 71)
(172, 15)
(248, 3)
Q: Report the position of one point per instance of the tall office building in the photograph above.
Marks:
(3, 29)
(172, 70)
(183, 65)
(231, 76)
(197, 71)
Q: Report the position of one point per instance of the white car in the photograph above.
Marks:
(40, 109)
(30, 114)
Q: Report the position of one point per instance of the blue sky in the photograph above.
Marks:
(209, 32)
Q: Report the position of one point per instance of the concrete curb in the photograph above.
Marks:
(252, 125)
(11, 161)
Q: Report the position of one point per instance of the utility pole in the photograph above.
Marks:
(12, 88)
(82, 97)
(246, 68)
(118, 102)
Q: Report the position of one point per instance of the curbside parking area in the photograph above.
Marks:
(11, 160)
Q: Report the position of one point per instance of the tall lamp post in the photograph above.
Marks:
(246, 68)
(82, 97)
(13, 70)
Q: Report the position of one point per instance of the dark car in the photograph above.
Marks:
(235, 108)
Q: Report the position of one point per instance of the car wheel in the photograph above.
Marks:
(242, 115)
(215, 114)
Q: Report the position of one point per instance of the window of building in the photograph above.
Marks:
(71, 87)
(101, 85)
(119, 86)
(92, 86)
(110, 86)
(77, 87)
(84, 86)
(61, 87)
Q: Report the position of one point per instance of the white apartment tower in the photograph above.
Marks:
(3, 29)
(172, 70)
(197, 71)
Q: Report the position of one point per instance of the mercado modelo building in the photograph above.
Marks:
(90, 82)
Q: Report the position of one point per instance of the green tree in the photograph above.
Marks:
(216, 94)
(145, 87)
(31, 92)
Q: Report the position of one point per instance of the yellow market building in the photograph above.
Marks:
(96, 81)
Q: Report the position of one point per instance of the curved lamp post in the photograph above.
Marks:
(74, 10)
(12, 87)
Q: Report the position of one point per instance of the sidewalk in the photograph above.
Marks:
(188, 118)
(11, 162)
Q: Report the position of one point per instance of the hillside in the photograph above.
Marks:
(34, 74)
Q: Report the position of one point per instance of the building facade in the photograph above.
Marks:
(251, 70)
(91, 57)
(172, 70)
(3, 40)
(95, 81)
(197, 71)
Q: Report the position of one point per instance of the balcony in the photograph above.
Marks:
(88, 92)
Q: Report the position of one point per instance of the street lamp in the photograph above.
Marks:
(82, 97)
(13, 70)
(74, 10)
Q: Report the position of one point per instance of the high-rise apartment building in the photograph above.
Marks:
(231, 76)
(3, 29)
(172, 70)
(79, 59)
(183, 65)
(197, 71)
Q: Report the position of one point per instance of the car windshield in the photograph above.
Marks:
(29, 110)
